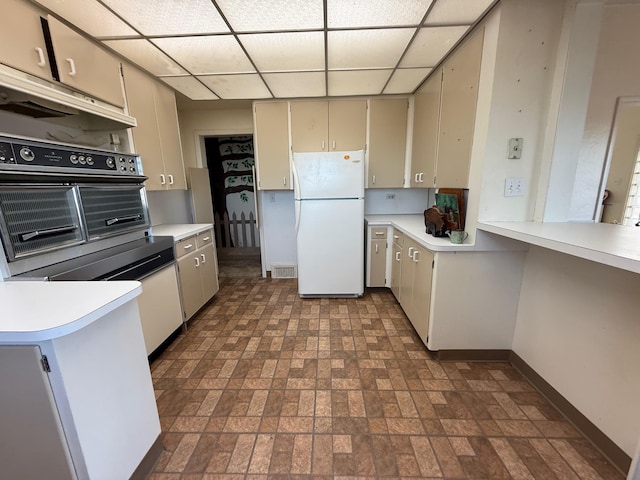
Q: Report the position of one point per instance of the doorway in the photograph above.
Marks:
(230, 160)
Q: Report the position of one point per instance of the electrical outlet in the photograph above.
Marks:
(391, 196)
(513, 187)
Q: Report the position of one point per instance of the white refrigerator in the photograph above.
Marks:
(329, 209)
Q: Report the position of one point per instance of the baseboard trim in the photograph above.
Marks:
(148, 461)
(603, 443)
(473, 355)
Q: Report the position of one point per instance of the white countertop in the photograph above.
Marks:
(614, 245)
(180, 231)
(37, 311)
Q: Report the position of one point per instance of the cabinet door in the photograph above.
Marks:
(426, 118)
(396, 269)
(421, 294)
(208, 272)
(406, 276)
(387, 142)
(169, 131)
(309, 126)
(34, 444)
(347, 124)
(146, 138)
(85, 66)
(190, 284)
(458, 114)
(21, 40)
(272, 145)
(377, 262)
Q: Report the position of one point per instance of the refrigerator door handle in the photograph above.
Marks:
(297, 213)
(296, 184)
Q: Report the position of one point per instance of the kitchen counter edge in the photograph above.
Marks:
(180, 231)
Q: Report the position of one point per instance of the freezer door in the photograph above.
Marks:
(330, 241)
(328, 175)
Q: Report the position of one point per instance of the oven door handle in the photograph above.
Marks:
(48, 232)
(117, 220)
(133, 267)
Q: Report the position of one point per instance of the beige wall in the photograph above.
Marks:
(196, 123)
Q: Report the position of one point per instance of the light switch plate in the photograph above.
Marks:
(513, 187)
(515, 148)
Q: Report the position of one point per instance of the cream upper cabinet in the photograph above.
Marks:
(22, 44)
(426, 119)
(387, 142)
(271, 137)
(321, 126)
(458, 113)
(84, 66)
(157, 137)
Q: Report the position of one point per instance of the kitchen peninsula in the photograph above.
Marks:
(77, 398)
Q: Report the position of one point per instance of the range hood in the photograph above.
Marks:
(26, 94)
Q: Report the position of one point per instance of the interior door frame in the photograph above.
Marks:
(199, 136)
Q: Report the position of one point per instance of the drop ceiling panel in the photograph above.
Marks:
(190, 88)
(357, 82)
(92, 18)
(236, 86)
(430, 45)
(273, 15)
(146, 55)
(457, 12)
(375, 13)
(279, 52)
(406, 80)
(170, 17)
(207, 54)
(296, 84)
(354, 49)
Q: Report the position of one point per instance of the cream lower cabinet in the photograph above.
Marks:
(198, 271)
(396, 262)
(376, 256)
(415, 285)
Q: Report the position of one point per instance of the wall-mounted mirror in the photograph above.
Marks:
(621, 198)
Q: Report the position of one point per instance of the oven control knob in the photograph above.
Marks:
(111, 162)
(26, 154)
(82, 160)
(131, 160)
(123, 168)
(73, 159)
(132, 169)
(89, 160)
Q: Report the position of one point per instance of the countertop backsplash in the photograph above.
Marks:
(397, 200)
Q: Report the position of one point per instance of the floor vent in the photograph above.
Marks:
(284, 271)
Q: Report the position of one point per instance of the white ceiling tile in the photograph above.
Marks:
(271, 15)
(353, 49)
(279, 52)
(406, 80)
(296, 84)
(457, 12)
(146, 55)
(236, 86)
(374, 13)
(190, 87)
(92, 18)
(357, 82)
(430, 45)
(170, 17)
(207, 54)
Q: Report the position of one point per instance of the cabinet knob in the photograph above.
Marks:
(170, 179)
(397, 256)
(206, 239)
(376, 248)
(284, 181)
(410, 251)
(204, 259)
(373, 179)
(163, 179)
(333, 144)
(72, 67)
(415, 256)
(187, 247)
(197, 261)
(41, 61)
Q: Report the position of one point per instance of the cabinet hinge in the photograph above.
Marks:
(433, 263)
(121, 71)
(45, 364)
(434, 180)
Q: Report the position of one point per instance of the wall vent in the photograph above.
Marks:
(284, 271)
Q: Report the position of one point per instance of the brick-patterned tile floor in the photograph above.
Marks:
(265, 385)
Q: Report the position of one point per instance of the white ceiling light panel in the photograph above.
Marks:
(353, 49)
(296, 84)
(170, 17)
(430, 45)
(457, 12)
(207, 54)
(190, 87)
(406, 80)
(273, 15)
(280, 52)
(357, 82)
(146, 55)
(236, 86)
(92, 18)
(375, 13)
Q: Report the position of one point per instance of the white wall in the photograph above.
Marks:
(405, 200)
(577, 326)
(171, 206)
(617, 70)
